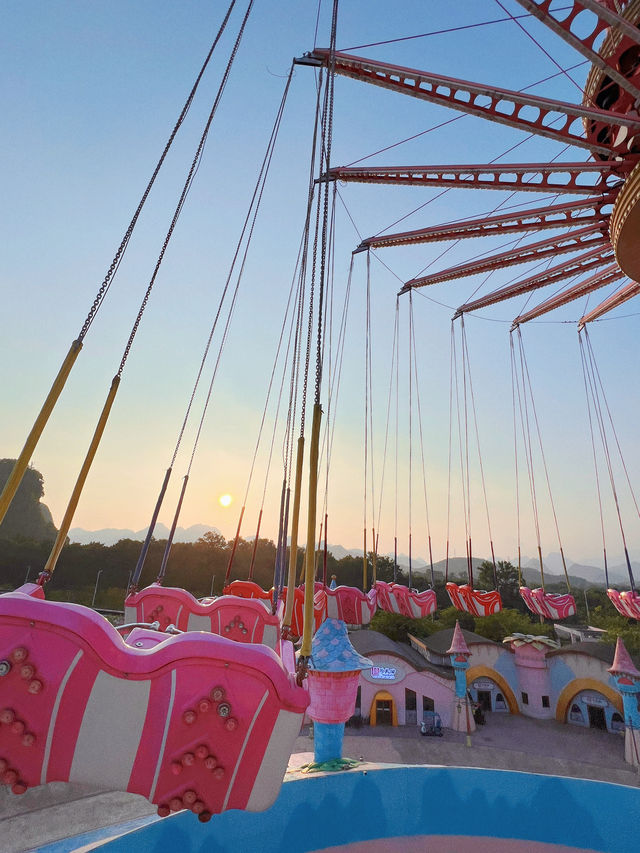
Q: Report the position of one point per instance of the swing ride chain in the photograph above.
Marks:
(115, 263)
(186, 187)
(328, 116)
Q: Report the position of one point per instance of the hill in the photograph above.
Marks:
(111, 535)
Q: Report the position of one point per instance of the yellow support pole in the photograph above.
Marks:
(82, 476)
(15, 478)
(293, 551)
(310, 561)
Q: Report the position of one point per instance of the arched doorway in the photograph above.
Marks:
(498, 687)
(589, 703)
(383, 710)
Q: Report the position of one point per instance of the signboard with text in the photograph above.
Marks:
(386, 673)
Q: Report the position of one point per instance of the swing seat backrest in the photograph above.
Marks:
(247, 589)
(385, 598)
(245, 620)
(548, 604)
(297, 614)
(537, 607)
(627, 603)
(455, 595)
(414, 604)
(482, 602)
(195, 721)
(349, 604)
(557, 606)
(478, 602)
(250, 622)
(168, 605)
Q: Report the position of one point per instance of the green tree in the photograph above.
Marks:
(508, 582)
(509, 621)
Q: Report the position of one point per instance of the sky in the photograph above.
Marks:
(90, 94)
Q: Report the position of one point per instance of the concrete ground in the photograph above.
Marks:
(505, 742)
(52, 812)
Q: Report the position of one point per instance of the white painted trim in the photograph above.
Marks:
(164, 735)
(54, 717)
(270, 636)
(244, 746)
(274, 761)
(109, 738)
(199, 623)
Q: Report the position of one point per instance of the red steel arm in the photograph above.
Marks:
(527, 177)
(619, 298)
(589, 261)
(519, 110)
(585, 238)
(601, 279)
(572, 215)
(606, 18)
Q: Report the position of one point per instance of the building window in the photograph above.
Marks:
(545, 702)
(575, 714)
(427, 704)
(525, 698)
(410, 707)
(617, 723)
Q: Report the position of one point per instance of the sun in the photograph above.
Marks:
(225, 500)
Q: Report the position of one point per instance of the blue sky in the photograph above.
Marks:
(91, 93)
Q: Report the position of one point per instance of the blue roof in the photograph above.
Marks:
(331, 649)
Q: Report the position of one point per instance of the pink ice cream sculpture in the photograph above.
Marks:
(334, 673)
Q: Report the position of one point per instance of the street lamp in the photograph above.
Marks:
(95, 590)
(26, 577)
(212, 580)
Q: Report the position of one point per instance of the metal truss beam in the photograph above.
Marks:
(585, 238)
(576, 266)
(619, 298)
(606, 18)
(575, 214)
(520, 110)
(601, 279)
(521, 177)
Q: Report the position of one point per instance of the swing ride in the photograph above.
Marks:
(605, 123)
(203, 698)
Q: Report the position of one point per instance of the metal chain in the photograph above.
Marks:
(187, 186)
(115, 263)
(328, 128)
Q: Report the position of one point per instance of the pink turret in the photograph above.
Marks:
(458, 643)
(627, 679)
(622, 663)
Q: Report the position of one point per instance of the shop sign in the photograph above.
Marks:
(595, 699)
(385, 673)
(483, 684)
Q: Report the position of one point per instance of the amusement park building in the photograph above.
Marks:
(526, 675)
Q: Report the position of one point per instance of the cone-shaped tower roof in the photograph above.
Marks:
(458, 644)
(622, 663)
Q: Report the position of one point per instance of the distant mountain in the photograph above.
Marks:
(110, 535)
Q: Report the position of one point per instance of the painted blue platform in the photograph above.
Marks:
(385, 802)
